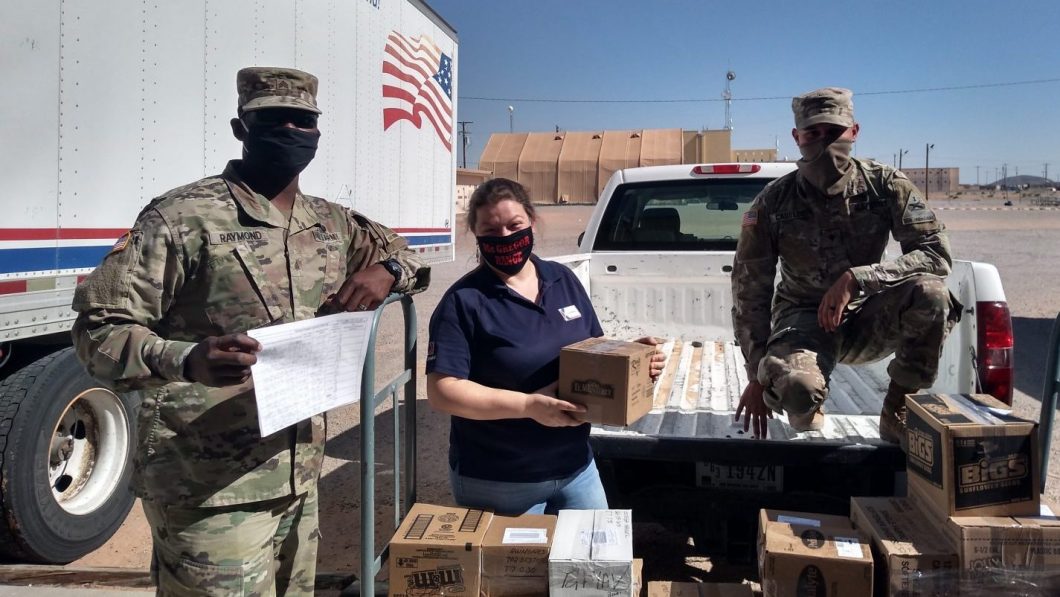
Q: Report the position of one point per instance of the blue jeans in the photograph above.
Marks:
(580, 491)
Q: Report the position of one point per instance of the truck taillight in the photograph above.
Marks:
(995, 350)
(727, 169)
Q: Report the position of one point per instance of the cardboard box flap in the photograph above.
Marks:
(610, 346)
(450, 525)
(567, 544)
(814, 536)
(611, 538)
(897, 528)
(955, 410)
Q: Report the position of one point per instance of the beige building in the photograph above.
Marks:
(938, 180)
(574, 167)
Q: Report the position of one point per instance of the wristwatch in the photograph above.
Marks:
(393, 268)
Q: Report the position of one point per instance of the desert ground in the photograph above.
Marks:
(1022, 240)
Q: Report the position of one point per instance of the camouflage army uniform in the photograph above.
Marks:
(208, 259)
(904, 306)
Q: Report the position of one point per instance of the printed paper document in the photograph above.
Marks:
(308, 367)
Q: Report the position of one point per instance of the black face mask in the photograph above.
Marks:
(507, 254)
(279, 152)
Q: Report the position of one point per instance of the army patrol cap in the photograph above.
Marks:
(262, 87)
(831, 105)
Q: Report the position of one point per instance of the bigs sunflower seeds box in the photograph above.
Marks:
(515, 555)
(437, 551)
(611, 378)
(969, 456)
(818, 555)
(592, 555)
(661, 588)
(912, 558)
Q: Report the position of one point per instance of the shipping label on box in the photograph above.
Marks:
(436, 551)
(515, 555)
(803, 554)
(968, 456)
(592, 554)
(611, 378)
(912, 558)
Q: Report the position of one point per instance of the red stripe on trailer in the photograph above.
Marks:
(412, 230)
(13, 287)
(60, 233)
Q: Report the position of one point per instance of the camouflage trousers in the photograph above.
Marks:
(258, 549)
(910, 319)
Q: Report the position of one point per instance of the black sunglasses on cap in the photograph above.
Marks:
(274, 117)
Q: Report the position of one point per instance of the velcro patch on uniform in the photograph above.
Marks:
(236, 236)
(750, 218)
(917, 211)
(121, 243)
(325, 237)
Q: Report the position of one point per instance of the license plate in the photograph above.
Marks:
(740, 476)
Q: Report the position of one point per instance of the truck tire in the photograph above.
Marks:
(66, 448)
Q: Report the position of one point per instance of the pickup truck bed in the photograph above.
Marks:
(698, 392)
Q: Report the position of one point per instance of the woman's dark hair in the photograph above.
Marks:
(493, 192)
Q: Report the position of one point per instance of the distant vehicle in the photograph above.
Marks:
(1008, 203)
(118, 102)
(656, 259)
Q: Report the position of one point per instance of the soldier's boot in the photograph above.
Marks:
(810, 421)
(892, 417)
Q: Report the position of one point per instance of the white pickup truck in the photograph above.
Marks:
(656, 259)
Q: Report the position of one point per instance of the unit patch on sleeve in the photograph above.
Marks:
(917, 211)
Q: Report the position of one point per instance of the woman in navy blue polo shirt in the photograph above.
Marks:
(493, 363)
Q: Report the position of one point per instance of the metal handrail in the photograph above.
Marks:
(371, 561)
(1050, 391)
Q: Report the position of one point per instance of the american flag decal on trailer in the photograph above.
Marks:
(418, 85)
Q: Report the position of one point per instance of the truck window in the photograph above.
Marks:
(683, 215)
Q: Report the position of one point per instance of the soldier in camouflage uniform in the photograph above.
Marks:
(827, 224)
(232, 512)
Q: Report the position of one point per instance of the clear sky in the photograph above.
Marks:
(516, 51)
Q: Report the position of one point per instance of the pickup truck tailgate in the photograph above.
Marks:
(698, 393)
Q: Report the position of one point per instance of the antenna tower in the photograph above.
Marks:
(727, 96)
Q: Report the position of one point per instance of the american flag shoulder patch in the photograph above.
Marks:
(750, 218)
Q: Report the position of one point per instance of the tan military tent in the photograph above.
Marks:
(538, 166)
(620, 149)
(660, 147)
(578, 161)
(501, 155)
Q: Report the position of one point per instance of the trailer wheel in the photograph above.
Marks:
(66, 449)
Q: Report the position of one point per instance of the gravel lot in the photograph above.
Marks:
(1020, 241)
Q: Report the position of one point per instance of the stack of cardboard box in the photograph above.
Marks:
(448, 550)
(973, 471)
(973, 521)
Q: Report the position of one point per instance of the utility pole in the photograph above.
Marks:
(1045, 171)
(901, 152)
(927, 176)
(511, 119)
(977, 176)
(465, 138)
